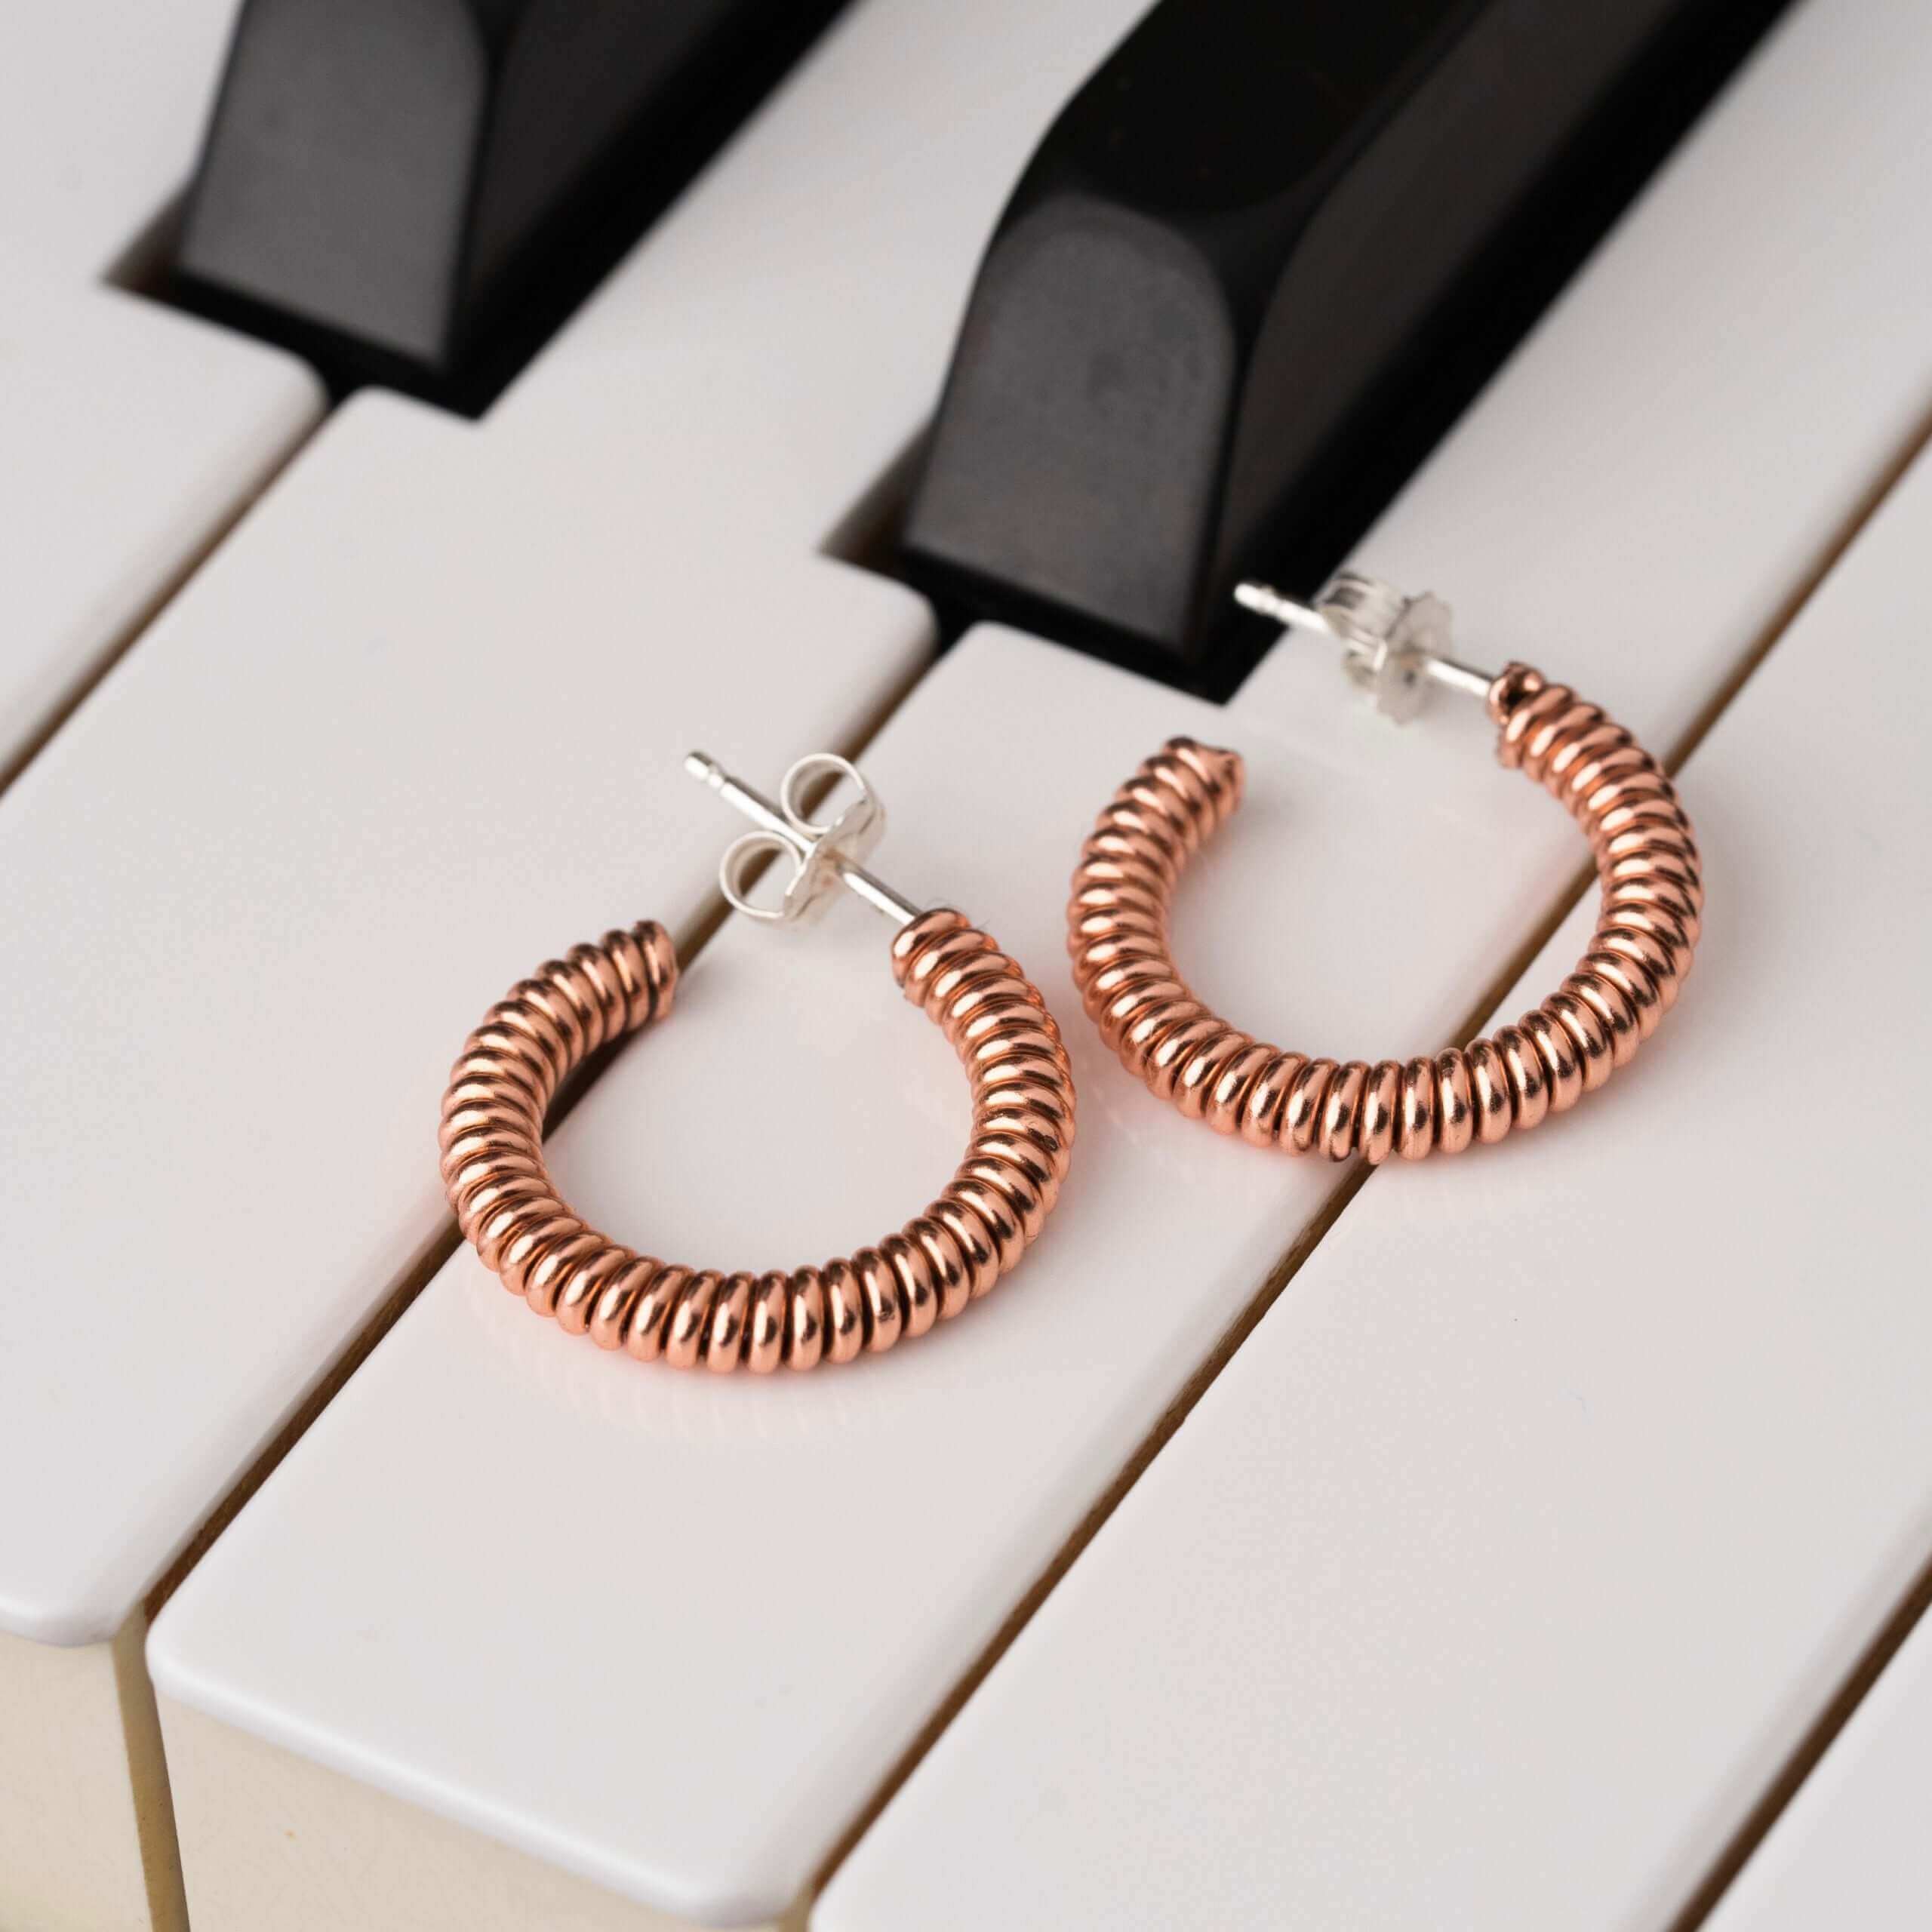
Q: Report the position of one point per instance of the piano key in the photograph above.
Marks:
(1563, 1486)
(135, 438)
(1851, 1847)
(141, 436)
(101, 103)
(419, 715)
(816, 1635)
(419, 196)
(1187, 344)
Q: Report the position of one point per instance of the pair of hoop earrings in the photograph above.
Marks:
(513, 1066)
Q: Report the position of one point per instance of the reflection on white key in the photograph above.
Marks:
(1497, 1576)
(417, 725)
(631, 1646)
(1851, 1848)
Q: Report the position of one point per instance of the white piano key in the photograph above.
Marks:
(712, 1789)
(1497, 1576)
(417, 717)
(102, 106)
(134, 436)
(1851, 1848)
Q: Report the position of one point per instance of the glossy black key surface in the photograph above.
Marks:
(1251, 272)
(416, 191)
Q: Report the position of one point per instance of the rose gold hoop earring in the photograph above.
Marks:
(513, 1066)
(1646, 864)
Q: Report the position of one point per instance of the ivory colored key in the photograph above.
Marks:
(1851, 1847)
(417, 719)
(1566, 1482)
(732, 1607)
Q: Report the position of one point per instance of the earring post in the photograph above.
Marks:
(1265, 601)
(769, 819)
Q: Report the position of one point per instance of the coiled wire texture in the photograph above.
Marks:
(512, 1066)
(1646, 930)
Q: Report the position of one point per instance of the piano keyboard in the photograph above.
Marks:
(1548, 1531)
(1552, 1530)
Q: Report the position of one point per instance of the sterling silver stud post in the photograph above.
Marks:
(1394, 647)
(822, 857)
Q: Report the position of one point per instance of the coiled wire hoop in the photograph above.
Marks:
(512, 1066)
(1638, 957)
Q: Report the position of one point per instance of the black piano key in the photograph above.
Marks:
(1250, 274)
(417, 192)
